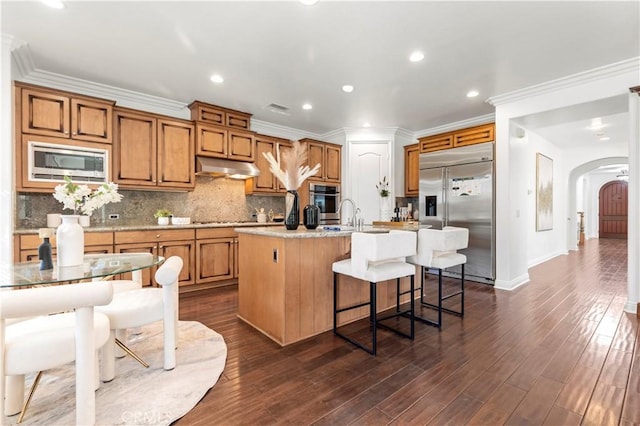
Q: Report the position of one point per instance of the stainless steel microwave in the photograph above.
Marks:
(49, 162)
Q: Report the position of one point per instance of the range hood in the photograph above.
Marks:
(220, 167)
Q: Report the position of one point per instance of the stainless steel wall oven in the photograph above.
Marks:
(327, 197)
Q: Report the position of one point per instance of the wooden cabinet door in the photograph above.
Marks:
(241, 145)
(45, 113)
(283, 147)
(215, 259)
(236, 253)
(315, 155)
(238, 120)
(176, 152)
(211, 140)
(91, 120)
(412, 170)
(143, 247)
(265, 181)
(332, 163)
(474, 135)
(436, 143)
(134, 149)
(186, 251)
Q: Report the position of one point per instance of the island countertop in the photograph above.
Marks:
(321, 232)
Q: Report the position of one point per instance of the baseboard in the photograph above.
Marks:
(546, 258)
(512, 284)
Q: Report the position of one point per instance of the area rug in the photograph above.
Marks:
(138, 395)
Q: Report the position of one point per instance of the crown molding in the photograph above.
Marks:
(475, 121)
(617, 68)
(90, 88)
(278, 130)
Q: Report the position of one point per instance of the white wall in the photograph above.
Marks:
(544, 245)
(512, 235)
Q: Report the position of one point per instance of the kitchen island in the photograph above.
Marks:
(285, 288)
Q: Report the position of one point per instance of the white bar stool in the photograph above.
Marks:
(376, 258)
(438, 249)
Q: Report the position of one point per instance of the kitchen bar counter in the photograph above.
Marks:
(285, 288)
(324, 232)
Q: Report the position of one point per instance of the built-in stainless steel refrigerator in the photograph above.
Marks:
(456, 189)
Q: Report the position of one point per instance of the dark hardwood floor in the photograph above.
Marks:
(557, 351)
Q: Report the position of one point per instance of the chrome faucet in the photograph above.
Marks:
(353, 208)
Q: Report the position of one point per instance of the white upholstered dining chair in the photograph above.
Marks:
(44, 341)
(137, 307)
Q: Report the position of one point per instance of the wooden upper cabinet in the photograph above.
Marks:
(474, 135)
(241, 145)
(60, 114)
(176, 153)
(223, 133)
(135, 149)
(214, 114)
(153, 152)
(412, 170)
(462, 137)
(266, 182)
(211, 140)
(329, 157)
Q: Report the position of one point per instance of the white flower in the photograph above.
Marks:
(80, 198)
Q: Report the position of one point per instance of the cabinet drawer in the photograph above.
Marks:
(205, 233)
(31, 242)
(125, 237)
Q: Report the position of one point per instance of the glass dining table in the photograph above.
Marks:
(95, 267)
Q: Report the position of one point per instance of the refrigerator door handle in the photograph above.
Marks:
(445, 197)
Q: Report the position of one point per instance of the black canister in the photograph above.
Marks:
(311, 216)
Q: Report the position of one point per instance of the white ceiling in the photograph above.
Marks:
(288, 54)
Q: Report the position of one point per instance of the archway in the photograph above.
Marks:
(574, 175)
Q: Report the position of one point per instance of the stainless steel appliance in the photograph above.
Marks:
(456, 189)
(51, 162)
(327, 197)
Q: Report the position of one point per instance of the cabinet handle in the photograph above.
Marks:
(157, 235)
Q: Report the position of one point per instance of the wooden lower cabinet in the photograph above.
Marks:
(164, 243)
(94, 242)
(216, 255)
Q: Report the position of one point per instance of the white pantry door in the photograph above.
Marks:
(369, 162)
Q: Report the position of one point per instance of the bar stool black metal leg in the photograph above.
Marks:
(462, 293)
(439, 298)
(372, 294)
(335, 303)
(413, 314)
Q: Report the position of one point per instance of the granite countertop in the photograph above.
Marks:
(148, 227)
(320, 232)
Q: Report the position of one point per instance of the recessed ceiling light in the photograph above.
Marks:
(366, 125)
(307, 106)
(472, 94)
(416, 56)
(347, 88)
(605, 138)
(308, 2)
(217, 78)
(55, 4)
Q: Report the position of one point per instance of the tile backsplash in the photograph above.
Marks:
(214, 199)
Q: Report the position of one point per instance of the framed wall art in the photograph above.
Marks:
(544, 193)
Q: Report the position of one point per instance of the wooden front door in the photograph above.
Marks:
(613, 210)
